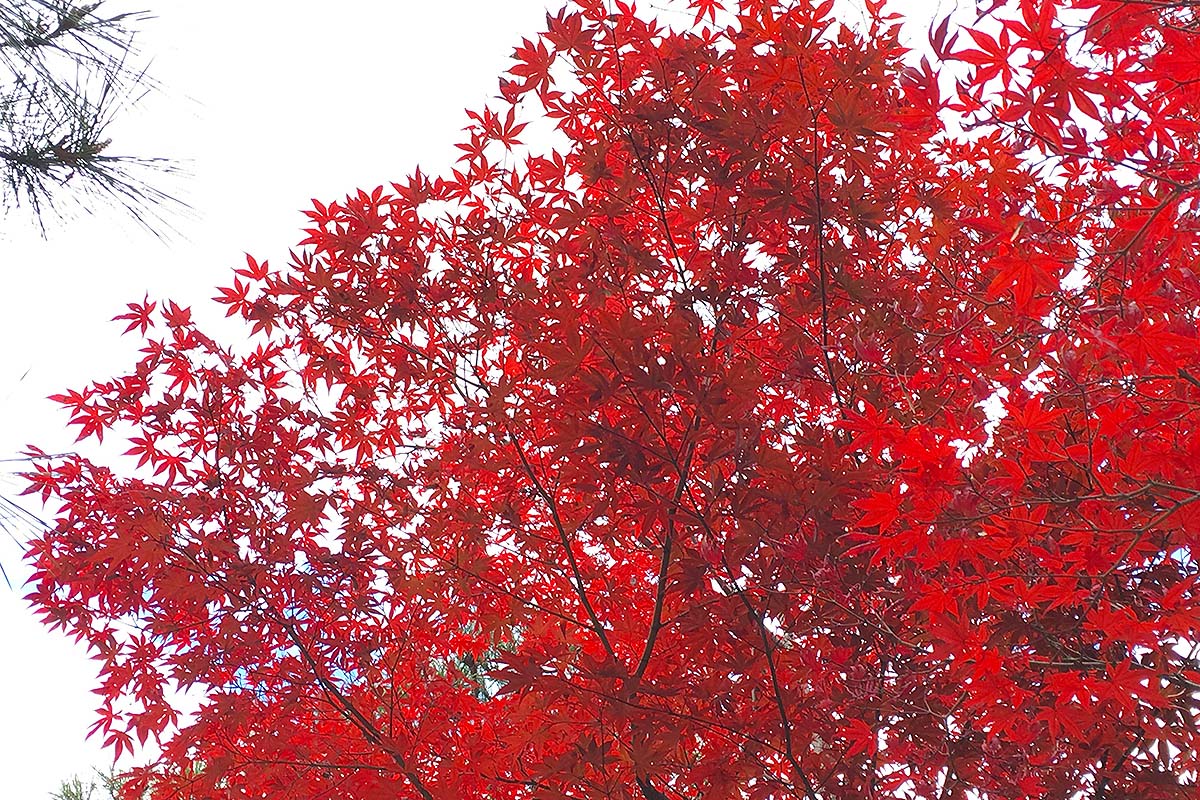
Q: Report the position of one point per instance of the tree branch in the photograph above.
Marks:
(565, 541)
(351, 713)
(665, 562)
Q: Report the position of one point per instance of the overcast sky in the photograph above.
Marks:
(267, 104)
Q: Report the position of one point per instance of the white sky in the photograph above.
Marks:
(270, 104)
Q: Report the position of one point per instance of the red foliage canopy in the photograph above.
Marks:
(812, 421)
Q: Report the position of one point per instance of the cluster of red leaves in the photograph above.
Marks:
(803, 426)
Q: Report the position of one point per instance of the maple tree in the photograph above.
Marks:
(812, 420)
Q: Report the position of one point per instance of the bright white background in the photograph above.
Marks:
(269, 104)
